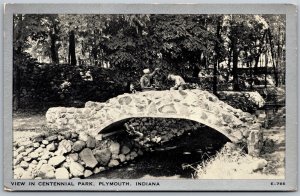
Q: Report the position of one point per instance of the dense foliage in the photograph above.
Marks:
(67, 58)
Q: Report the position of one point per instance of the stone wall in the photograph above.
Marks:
(70, 155)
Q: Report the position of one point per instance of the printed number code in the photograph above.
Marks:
(277, 183)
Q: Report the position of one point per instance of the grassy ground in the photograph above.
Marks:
(28, 124)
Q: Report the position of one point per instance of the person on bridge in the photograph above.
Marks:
(147, 78)
(179, 82)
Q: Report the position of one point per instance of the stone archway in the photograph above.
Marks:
(196, 105)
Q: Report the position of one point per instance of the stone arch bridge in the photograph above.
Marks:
(195, 105)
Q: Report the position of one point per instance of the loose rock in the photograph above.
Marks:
(27, 159)
(83, 136)
(78, 145)
(28, 150)
(18, 159)
(47, 172)
(113, 163)
(36, 145)
(115, 156)
(86, 155)
(60, 137)
(74, 135)
(27, 175)
(87, 173)
(51, 147)
(26, 143)
(67, 135)
(46, 156)
(20, 149)
(74, 157)
(62, 173)
(57, 160)
(51, 138)
(18, 172)
(114, 148)
(96, 170)
(24, 164)
(259, 164)
(64, 147)
(125, 150)
(38, 138)
(76, 169)
(122, 157)
(91, 142)
(133, 154)
(34, 162)
(46, 142)
(34, 154)
(103, 156)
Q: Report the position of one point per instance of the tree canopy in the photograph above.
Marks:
(182, 44)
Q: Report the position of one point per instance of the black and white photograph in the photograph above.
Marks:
(148, 97)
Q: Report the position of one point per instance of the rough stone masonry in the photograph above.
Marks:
(195, 105)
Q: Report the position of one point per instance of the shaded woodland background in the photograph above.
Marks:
(70, 59)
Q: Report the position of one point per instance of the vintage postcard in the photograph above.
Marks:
(150, 97)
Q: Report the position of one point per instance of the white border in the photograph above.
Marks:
(183, 185)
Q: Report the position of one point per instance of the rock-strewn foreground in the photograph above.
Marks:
(70, 155)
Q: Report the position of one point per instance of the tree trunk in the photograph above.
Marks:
(16, 63)
(196, 71)
(256, 64)
(204, 61)
(259, 53)
(229, 59)
(273, 58)
(266, 69)
(53, 48)
(216, 63)
(53, 39)
(72, 53)
(94, 55)
(278, 62)
(251, 74)
(235, 58)
(16, 87)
